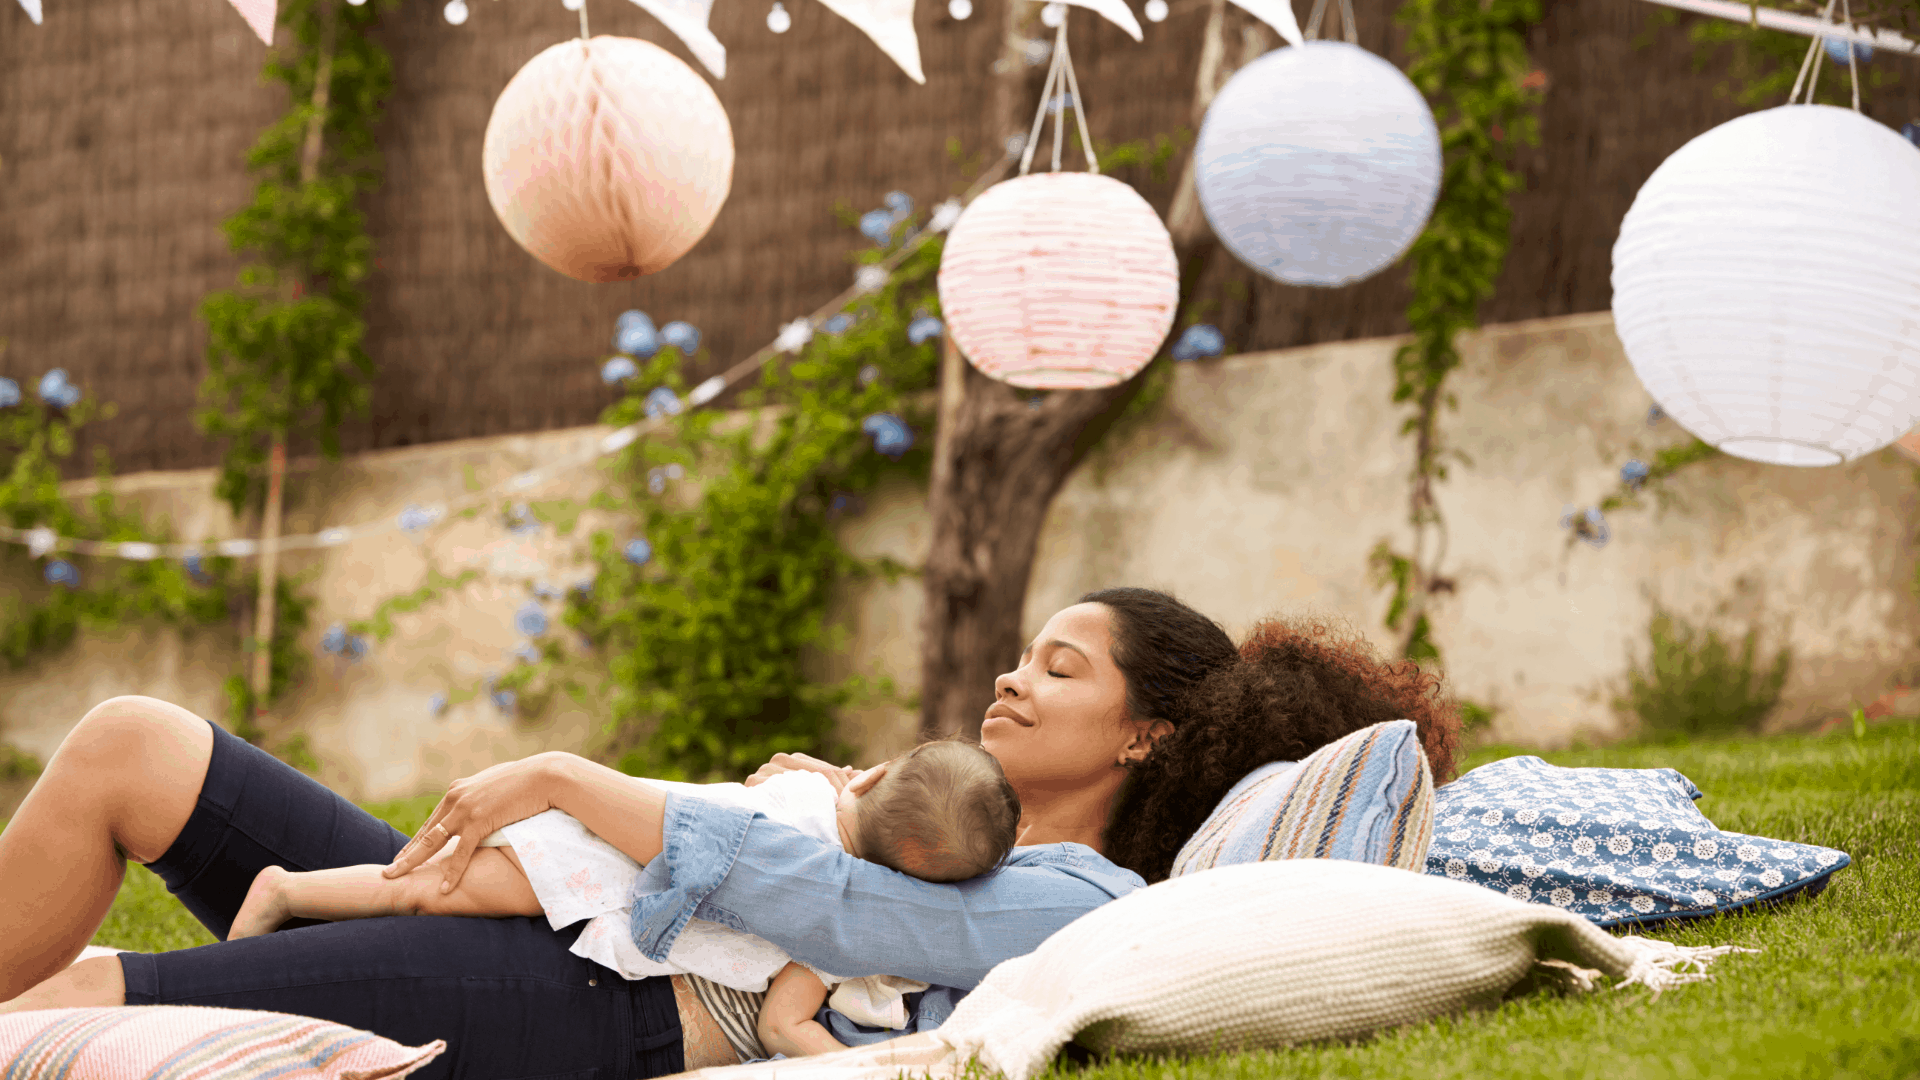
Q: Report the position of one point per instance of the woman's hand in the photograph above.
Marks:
(472, 809)
(837, 775)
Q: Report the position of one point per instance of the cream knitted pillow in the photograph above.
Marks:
(1274, 953)
(1263, 954)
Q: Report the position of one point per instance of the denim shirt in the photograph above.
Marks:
(739, 868)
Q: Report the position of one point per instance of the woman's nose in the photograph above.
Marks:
(1006, 686)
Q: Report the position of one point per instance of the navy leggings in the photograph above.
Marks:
(509, 999)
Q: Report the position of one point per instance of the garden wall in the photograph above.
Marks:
(1258, 486)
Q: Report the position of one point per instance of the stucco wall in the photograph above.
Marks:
(1258, 487)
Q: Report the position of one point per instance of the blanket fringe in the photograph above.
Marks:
(1659, 965)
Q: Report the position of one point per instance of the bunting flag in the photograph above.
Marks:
(1277, 14)
(688, 20)
(260, 14)
(33, 10)
(890, 24)
(1119, 14)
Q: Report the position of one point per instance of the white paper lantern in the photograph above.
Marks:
(1766, 286)
(607, 159)
(1059, 281)
(1318, 165)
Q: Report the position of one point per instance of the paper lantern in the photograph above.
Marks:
(1318, 165)
(607, 159)
(1059, 281)
(1766, 286)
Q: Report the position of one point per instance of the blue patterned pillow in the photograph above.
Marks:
(1619, 846)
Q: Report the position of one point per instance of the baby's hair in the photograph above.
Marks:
(942, 812)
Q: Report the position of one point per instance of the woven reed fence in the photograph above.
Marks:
(123, 125)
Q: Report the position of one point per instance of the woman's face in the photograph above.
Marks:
(1060, 719)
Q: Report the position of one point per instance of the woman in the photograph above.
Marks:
(1125, 721)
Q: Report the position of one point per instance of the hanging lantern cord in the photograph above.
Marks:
(1853, 60)
(1060, 79)
(1348, 29)
(583, 19)
(1814, 52)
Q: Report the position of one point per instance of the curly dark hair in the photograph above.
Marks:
(1293, 687)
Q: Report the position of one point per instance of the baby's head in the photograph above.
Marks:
(942, 812)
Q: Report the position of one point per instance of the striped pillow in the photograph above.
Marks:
(174, 1042)
(1367, 797)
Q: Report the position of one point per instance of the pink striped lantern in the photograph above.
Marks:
(607, 159)
(1059, 281)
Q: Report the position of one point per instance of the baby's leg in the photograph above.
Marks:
(493, 885)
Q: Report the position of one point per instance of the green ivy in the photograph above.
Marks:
(34, 439)
(702, 644)
(1469, 58)
(284, 354)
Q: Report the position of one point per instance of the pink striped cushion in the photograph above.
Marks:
(189, 1042)
(1059, 281)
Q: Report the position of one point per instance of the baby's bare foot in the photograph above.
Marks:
(265, 907)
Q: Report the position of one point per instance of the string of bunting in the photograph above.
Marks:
(792, 337)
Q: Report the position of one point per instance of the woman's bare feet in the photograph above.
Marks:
(265, 907)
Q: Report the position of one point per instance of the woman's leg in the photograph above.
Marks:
(122, 785)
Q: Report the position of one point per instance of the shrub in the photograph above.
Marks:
(1696, 684)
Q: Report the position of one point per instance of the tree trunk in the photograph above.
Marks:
(999, 460)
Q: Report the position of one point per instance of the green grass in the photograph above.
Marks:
(1835, 993)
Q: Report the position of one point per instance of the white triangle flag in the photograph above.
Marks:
(688, 20)
(260, 14)
(1277, 14)
(1114, 11)
(33, 10)
(890, 24)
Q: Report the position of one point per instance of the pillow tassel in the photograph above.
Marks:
(1657, 965)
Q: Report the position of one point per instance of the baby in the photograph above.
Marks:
(942, 812)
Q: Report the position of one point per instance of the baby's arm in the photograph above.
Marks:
(493, 885)
(786, 1024)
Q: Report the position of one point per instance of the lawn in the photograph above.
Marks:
(1835, 991)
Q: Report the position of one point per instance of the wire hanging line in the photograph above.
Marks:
(871, 278)
(1061, 92)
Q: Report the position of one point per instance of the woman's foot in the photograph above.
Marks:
(265, 907)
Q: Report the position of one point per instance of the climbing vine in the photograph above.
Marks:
(1469, 57)
(284, 353)
(37, 432)
(698, 619)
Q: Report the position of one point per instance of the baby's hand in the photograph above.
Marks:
(265, 907)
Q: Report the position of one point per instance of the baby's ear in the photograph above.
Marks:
(863, 783)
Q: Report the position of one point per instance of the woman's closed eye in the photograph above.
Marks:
(1057, 675)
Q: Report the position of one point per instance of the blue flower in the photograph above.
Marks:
(656, 480)
(438, 704)
(9, 393)
(506, 701)
(637, 336)
(900, 204)
(681, 335)
(924, 329)
(891, 436)
(662, 401)
(1912, 132)
(638, 551)
(530, 620)
(414, 518)
(877, 226)
(617, 369)
(545, 591)
(1199, 340)
(56, 390)
(62, 572)
(631, 317)
(839, 324)
(527, 654)
(335, 639)
(1655, 414)
(868, 373)
(1837, 51)
(191, 561)
(521, 520)
(1589, 526)
(1634, 473)
(584, 586)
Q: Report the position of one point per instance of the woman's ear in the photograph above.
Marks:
(1145, 734)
